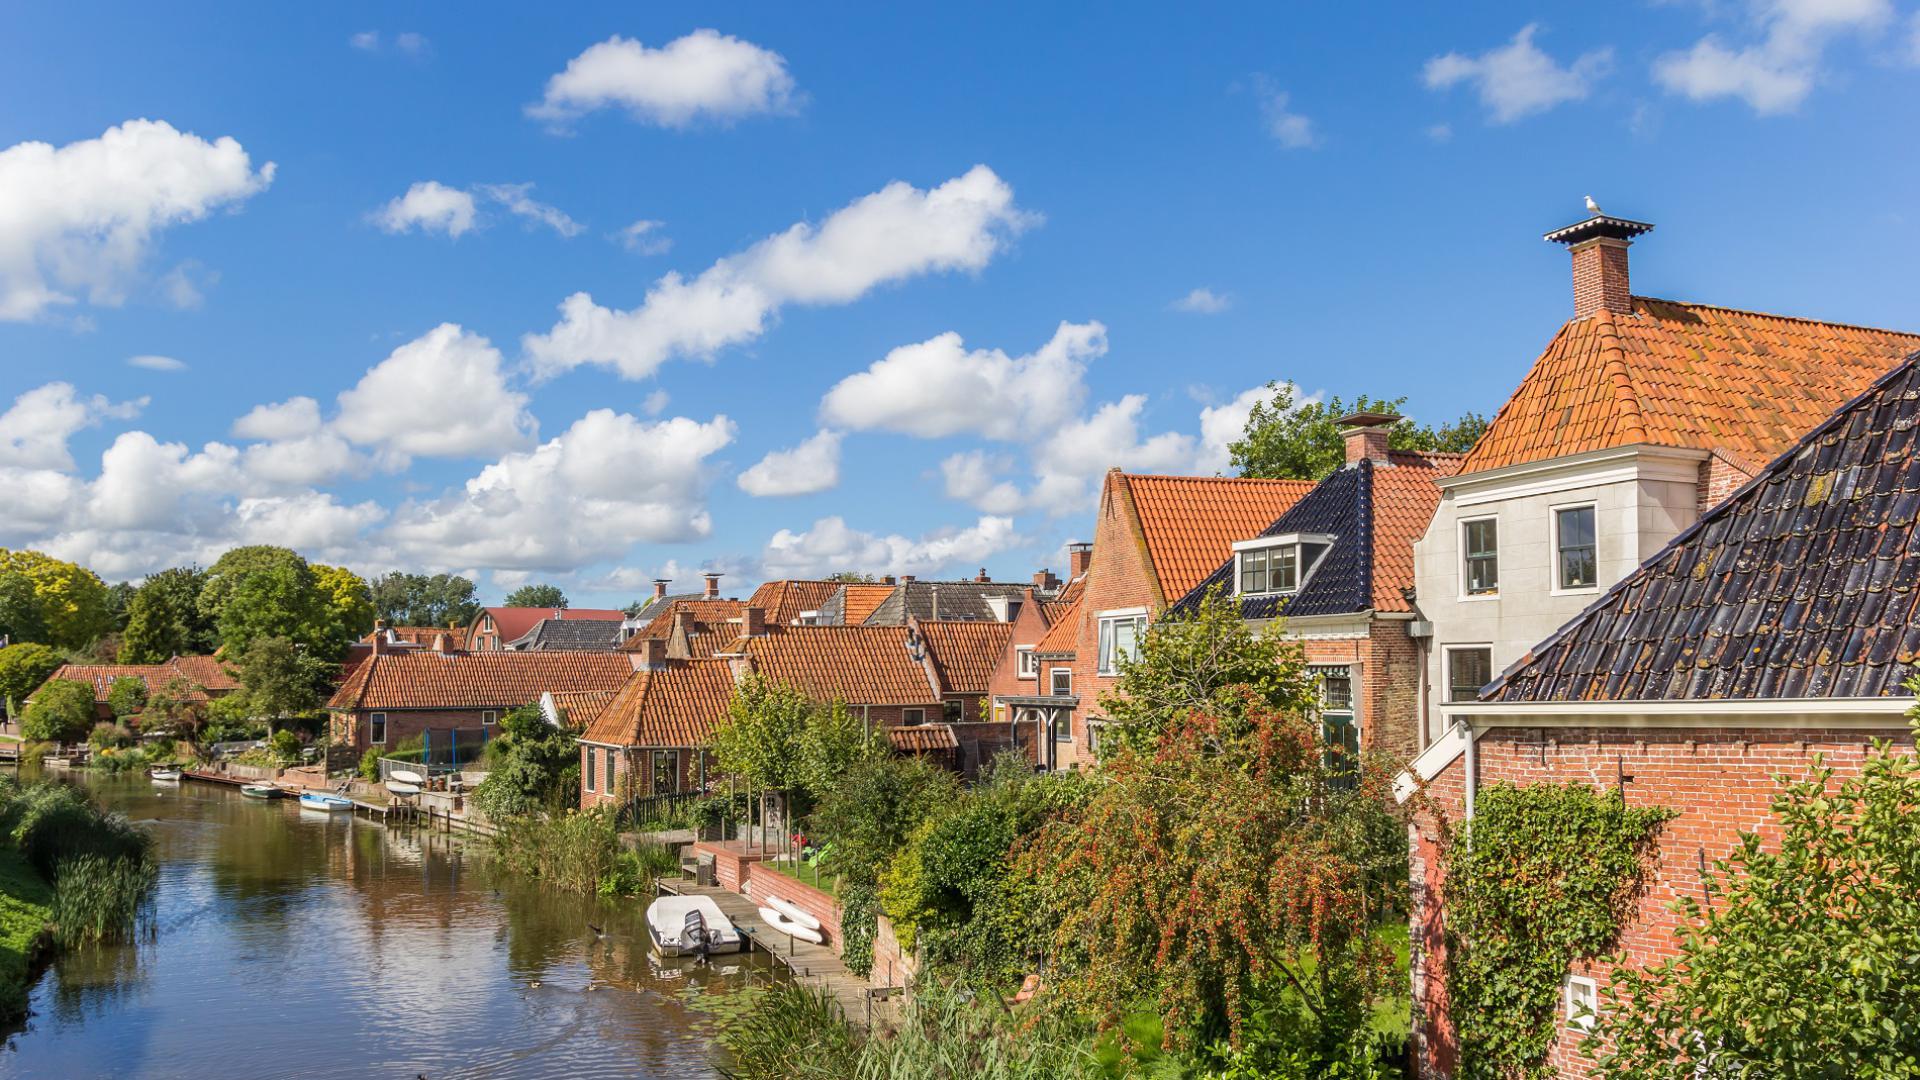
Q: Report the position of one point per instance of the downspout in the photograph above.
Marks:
(1470, 765)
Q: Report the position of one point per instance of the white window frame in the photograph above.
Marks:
(1580, 999)
(1061, 727)
(489, 717)
(1024, 664)
(1553, 559)
(1302, 569)
(1446, 668)
(377, 722)
(586, 781)
(1490, 594)
(1054, 688)
(908, 717)
(1104, 663)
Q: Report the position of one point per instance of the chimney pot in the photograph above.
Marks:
(660, 587)
(906, 579)
(1045, 581)
(888, 580)
(1599, 249)
(982, 578)
(1079, 560)
(1367, 435)
(713, 586)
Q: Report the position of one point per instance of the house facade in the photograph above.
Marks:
(495, 627)
(1639, 415)
(1780, 627)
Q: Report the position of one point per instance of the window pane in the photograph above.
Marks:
(1253, 571)
(1106, 645)
(591, 758)
(1286, 569)
(1126, 639)
(1062, 681)
(1467, 671)
(1574, 528)
(1336, 691)
(1482, 556)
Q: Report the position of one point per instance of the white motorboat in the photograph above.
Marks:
(166, 774)
(320, 800)
(793, 929)
(691, 926)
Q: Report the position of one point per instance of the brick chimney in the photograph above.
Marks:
(753, 621)
(906, 579)
(1599, 247)
(1079, 559)
(1366, 435)
(1045, 581)
(982, 577)
(652, 654)
(440, 644)
(660, 587)
(713, 585)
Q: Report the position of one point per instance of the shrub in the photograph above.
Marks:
(23, 667)
(116, 761)
(534, 773)
(109, 735)
(370, 764)
(572, 851)
(127, 696)
(285, 746)
(61, 712)
(634, 873)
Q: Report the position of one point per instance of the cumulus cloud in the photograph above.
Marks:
(35, 430)
(1221, 425)
(895, 233)
(643, 238)
(156, 363)
(82, 218)
(1517, 79)
(290, 419)
(516, 201)
(704, 76)
(1290, 129)
(587, 495)
(939, 387)
(428, 206)
(812, 466)
(406, 42)
(1203, 301)
(831, 545)
(1776, 72)
(975, 477)
(443, 394)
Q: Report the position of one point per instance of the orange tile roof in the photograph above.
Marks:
(783, 601)
(207, 671)
(676, 706)
(711, 629)
(860, 665)
(1684, 375)
(920, 738)
(579, 708)
(862, 599)
(965, 653)
(204, 673)
(1189, 523)
(1071, 591)
(485, 680)
(423, 635)
(511, 622)
(1063, 634)
(1404, 499)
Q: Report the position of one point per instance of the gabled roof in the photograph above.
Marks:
(483, 680)
(964, 654)
(207, 671)
(1063, 633)
(1189, 523)
(421, 636)
(783, 601)
(711, 627)
(1374, 515)
(1684, 375)
(674, 707)
(656, 606)
(858, 601)
(579, 708)
(511, 622)
(923, 738)
(1800, 585)
(860, 665)
(203, 673)
(945, 600)
(580, 635)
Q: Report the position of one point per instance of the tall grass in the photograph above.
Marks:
(101, 867)
(579, 851)
(97, 898)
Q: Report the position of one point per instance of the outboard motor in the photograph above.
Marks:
(693, 935)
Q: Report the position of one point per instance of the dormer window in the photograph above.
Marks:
(1278, 565)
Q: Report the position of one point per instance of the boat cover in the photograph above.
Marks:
(667, 917)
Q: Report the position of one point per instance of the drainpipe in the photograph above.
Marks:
(1471, 765)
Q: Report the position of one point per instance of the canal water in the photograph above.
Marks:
(289, 942)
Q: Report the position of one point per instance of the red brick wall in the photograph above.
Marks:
(1720, 780)
(1718, 479)
(1600, 278)
(355, 728)
(1120, 578)
(1027, 629)
(762, 883)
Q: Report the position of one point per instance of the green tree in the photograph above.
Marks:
(21, 616)
(834, 741)
(759, 740)
(73, 600)
(174, 708)
(127, 696)
(276, 680)
(347, 601)
(264, 591)
(1208, 661)
(164, 618)
(1796, 961)
(23, 667)
(119, 595)
(1300, 440)
(533, 766)
(546, 596)
(62, 711)
(421, 600)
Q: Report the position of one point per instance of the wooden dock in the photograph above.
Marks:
(806, 961)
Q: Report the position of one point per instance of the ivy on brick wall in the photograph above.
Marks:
(859, 921)
(1543, 876)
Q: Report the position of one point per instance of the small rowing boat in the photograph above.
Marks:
(320, 800)
(402, 789)
(164, 774)
(261, 791)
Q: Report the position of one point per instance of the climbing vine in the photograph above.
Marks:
(859, 920)
(1543, 876)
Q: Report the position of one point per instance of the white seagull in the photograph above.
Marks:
(1592, 207)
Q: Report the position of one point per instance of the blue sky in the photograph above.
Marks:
(1017, 200)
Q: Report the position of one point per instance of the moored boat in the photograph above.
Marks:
(790, 927)
(261, 791)
(320, 800)
(402, 788)
(165, 774)
(690, 926)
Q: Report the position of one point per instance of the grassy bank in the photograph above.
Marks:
(26, 907)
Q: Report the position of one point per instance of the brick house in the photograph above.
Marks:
(1337, 566)
(494, 627)
(1155, 538)
(649, 737)
(391, 697)
(206, 677)
(1639, 415)
(1780, 625)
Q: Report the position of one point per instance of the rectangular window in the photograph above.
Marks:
(1062, 727)
(1024, 665)
(666, 772)
(591, 759)
(1573, 540)
(1468, 669)
(488, 718)
(1062, 681)
(1338, 724)
(612, 772)
(1583, 1002)
(999, 713)
(1481, 542)
(1253, 571)
(953, 712)
(377, 726)
(912, 717)
(1120, 640)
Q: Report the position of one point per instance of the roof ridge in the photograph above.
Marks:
(1776, 315)
(1217, 479)
(1614, 369)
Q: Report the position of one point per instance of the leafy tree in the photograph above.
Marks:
(73, 600)
(759, 740)
(1796, 961)
(119, 595)
(834, 741)
(21, 617)
(347, 601)
(851, 577)
(175, 707)
(164, 618)
(421, 600)
(127, 696)
(1289, 440)
(546, 596)
(277, 680)
(533, 767)
(62, 711)
(23, 667)
(1209, 661)
(264, 591)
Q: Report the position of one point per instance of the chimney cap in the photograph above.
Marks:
(1080, 545)
(1597, 227)
(1369, 419)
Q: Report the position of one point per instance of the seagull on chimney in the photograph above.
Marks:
(1593, 207)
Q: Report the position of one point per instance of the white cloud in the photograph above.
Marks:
(1518, 79)
(81, 218)
(517, 202)
(443, 394)
(156, 363)
(812, 466)
(938, 387)
(896, 233)
(35, 430)
(643, 238)
(1288, 128)
(705, 75)
(143, 481)
(832, 545)
(293, 418)
(366, 41)
(313, 523)
(1440, 132)
(974, 477)
(1776, 73)
(1221, 425)
(301, 460)
(655, 403)
(428, 206)
(587, 495)
(185, 286)
(1203, 301)
(411, 43)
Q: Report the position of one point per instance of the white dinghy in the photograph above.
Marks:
(690, 926)
(791, 921)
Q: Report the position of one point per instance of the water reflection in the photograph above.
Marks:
(289, 942)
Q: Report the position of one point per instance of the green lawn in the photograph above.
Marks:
(26, 903)
(802, 873)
